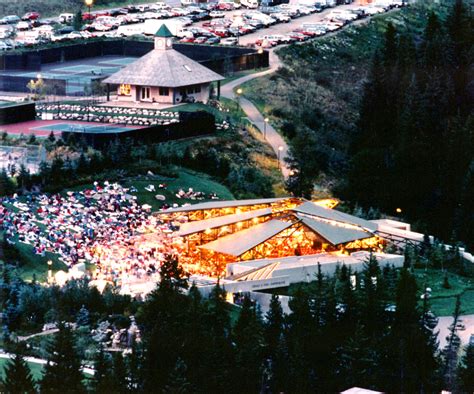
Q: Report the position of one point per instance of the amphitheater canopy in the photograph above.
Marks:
(312, 209)
(222, 204)
(238, 243)
(220, 221)
(333, 233)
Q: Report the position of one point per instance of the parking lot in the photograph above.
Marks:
(285, 28)
(224, 23)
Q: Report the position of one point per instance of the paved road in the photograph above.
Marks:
(443, 326)
(275, 140)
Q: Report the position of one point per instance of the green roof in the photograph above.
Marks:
(163, 31)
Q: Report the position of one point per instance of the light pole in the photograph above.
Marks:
(260, 53)
(89, 4)
(50, 272)
(280, 148)
(239, 92)
(265, 121)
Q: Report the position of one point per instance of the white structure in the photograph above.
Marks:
(163, 76)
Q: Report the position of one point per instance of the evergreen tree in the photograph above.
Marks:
(63, 370)
(6, 184)
(18, 378)
(103, 379)
(219, 361)
(451, 351)
(120, 378)
(23, 178)
(83, 317)
(178, 382)
(248, 348)
(466, 370)
(275, 347)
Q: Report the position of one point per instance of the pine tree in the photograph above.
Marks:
(83, 317)
(219, 362)
(120, 374)
(466, 370)
(248, 348)
(63, 370)
(450, 352)
(275, 347)
(103, 379)
(178, 382)
(18, 378)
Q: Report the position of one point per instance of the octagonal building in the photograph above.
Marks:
(163, 76)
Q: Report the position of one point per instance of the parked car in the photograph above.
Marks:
(229, 41)
(213, 40)
(4, 46)
(31, 16)
(200, 40)
(216, 14)
(298, 36)
(10, 20)
(23, 25)
(66, 18)
(65, 30)
(281, 17)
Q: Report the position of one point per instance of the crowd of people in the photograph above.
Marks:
(104, 225)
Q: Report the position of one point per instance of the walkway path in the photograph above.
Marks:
(275, 140)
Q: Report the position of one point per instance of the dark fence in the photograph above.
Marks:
(16, 83)
(191, 124)
(17, 113)
(219, 59)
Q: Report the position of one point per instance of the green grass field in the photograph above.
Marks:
(443, 300)
(186, 179)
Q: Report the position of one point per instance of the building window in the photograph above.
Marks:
(125, 90)
(164, 91)
(194, 89)
(145, 93)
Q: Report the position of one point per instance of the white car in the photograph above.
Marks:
(23, 25)
(281, 17)
(3, 46)
(101, 27)
(74, 35)
(229, 41)
(216, 14)
(160, 5)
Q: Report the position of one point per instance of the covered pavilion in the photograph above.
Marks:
(163, 76)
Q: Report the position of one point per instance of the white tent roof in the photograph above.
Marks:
(333, 233)
(238, 243)
(312, 209)
(203, 225)
(222, 204)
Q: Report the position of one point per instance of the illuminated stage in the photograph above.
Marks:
(232, 239)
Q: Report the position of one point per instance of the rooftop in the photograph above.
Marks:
(166, 68)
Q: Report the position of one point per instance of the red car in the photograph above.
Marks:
(88, 17)
(31, 16)
(200, 40)
(187, 39)
(220, 32)
(298, 36)
(225, 7)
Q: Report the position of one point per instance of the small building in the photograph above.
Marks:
(164, 76)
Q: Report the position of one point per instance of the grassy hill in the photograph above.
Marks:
(320, 85)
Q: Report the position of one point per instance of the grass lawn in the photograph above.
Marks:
(445, 306)
(36, 369)
(443, 300)
(186, 179)
(231, 111)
